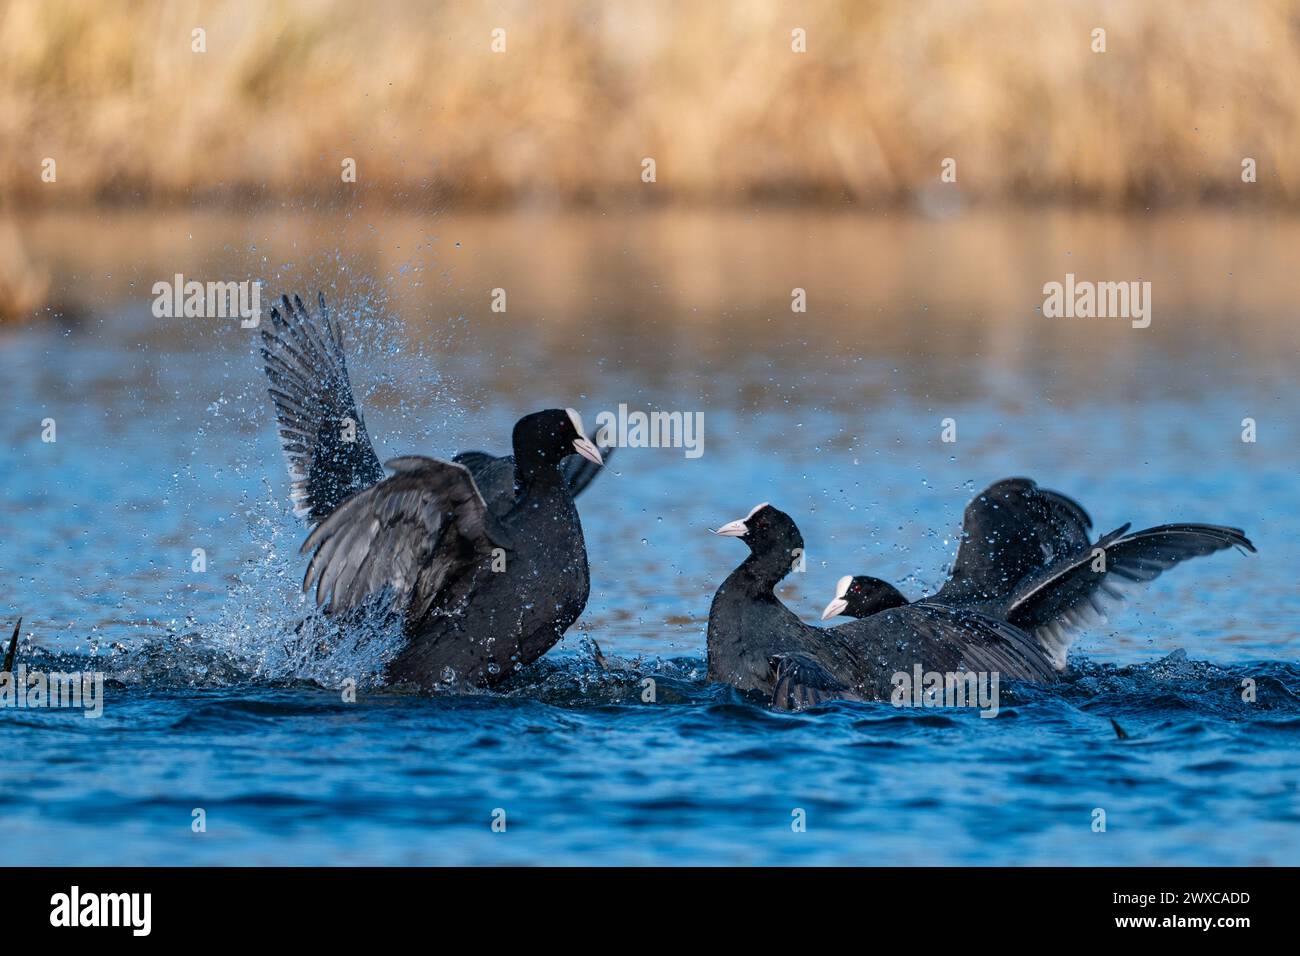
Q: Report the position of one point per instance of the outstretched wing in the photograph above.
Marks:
(324, 437)
(1010, 530)
(416, 534)
(1058, 603)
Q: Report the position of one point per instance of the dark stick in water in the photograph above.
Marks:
(13, 648)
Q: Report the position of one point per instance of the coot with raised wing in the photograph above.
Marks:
(759, 646)
(482, 556)
(1026, 557)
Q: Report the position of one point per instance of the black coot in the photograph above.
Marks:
(1026, 557)
(482, 556)
(759, 646)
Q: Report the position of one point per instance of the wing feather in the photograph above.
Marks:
(410, 535)
(1061, 601)
(977, 642)
(308, 381)
(799, 681)
(1010, 530)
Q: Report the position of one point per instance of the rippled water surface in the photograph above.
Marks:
(215, 701)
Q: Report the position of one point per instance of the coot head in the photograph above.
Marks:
(546, 438)
(862, 596)
(765, 530)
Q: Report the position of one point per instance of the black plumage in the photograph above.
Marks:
(321, 430)
(758, 645)
(482, 556)
(1026, 557)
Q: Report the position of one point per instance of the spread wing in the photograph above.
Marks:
(1061, 601)
(324, 437)
(416, 534)
(1010, 530)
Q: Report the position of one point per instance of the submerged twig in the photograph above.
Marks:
(13, 648)
(596, 653)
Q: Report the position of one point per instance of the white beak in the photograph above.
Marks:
(587, 450)
(834, 609)
(733, 529)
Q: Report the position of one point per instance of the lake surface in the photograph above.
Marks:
(165, 445)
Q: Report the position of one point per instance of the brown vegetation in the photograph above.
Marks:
(711, 90)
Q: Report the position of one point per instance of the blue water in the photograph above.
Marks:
(164, 445)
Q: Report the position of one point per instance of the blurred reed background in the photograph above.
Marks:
(711, 90)
(585, 90)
